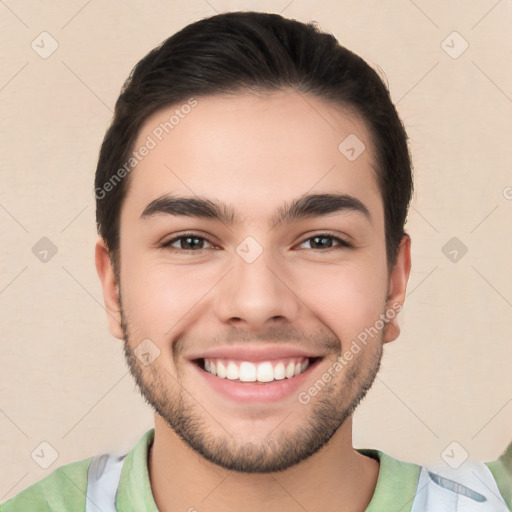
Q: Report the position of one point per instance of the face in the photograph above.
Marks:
(228, 266)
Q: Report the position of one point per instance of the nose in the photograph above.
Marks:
(256, 293)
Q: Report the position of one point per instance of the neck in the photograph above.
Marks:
(336, 478)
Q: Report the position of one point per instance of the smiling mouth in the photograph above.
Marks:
(261, 372)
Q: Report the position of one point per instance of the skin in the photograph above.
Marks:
(255, 153)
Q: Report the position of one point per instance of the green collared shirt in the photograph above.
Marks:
(64, 490)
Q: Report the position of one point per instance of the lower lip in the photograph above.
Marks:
(257, 392)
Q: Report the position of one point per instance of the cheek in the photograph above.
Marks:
(160, 298)
(346, 298)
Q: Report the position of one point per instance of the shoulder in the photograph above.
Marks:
(438, 487)
(501, 470)
(63, 490)
(471, 486)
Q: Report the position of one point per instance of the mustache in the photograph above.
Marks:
(325, 341)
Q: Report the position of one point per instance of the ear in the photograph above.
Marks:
(110, 288)
(397, 287)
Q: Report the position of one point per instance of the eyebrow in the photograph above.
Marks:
(306, 206)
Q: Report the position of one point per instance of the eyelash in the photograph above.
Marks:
(343, 244)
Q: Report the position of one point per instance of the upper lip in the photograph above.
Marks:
(259, 353)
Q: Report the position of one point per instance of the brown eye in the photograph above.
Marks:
(187, 242)
(326, 241)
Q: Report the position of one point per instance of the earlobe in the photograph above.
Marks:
(397, 288)
(110, 288)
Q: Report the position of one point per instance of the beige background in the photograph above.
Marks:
(447, 378)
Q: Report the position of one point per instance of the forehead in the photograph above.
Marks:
(253, 151)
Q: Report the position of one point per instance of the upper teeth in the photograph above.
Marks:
(265, 371)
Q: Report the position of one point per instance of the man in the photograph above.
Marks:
(252, 192)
